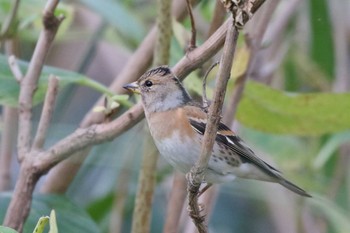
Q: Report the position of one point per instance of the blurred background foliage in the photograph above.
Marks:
(292, 118)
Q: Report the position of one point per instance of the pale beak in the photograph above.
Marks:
(134, 87)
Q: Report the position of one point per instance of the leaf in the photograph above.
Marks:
(118, 16)
(337, 217)
(40, 226)
(71, 218)
(53, 222)
(30, 15)
(274, 111)
(240, 62)
(9, 88)
(7, 230)
(329, 148)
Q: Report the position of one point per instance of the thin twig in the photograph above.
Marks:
(205, 101)
(192, 44)
(10, 19)
(197, 172)
(29, 82)
(8, 136)
(16, 71)
(175, 204)
(19, 206)
(218, 17)
(147, 177)
(186, 65)
(46, 113)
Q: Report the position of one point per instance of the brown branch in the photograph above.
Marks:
(8, 136)
(218, 17)
(19, 207)
(197, 172)
(46, 113)
(9, 21)
(192, 44)
(121, 193)
(29, 82)
(14, 67)
(147, 180)
(58, 180)
(175, 204)
(186, 65)
(147, 177)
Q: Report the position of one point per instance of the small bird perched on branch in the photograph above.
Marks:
(177, 125)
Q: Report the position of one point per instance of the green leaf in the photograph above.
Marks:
(7, 230)
(118, 16)
(9, 88)
(70, 217)
(336, 216)
(321, 29)
(329, 148)
(274, 111)
(30, 16)
(40, 226)
(53, 222)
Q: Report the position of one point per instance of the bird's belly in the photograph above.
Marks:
(178, 151)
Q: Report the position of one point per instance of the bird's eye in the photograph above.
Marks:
(148, 83)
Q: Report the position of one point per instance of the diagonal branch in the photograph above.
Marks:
(46, 113)
(196, 175)
(30, 80)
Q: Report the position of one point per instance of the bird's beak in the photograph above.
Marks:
(134, 87)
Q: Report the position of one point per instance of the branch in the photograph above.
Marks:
(29, 82)
(197, 172)
(192, 44)
(9, 21)
(14, 67)
(46, 113)
(8, 136)
(147, 177)
(175, 203)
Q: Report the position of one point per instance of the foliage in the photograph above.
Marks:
(295, 119)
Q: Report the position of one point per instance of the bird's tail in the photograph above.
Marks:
(293, 187)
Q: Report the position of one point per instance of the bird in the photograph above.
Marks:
(177, 124)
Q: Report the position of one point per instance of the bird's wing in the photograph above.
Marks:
(225, 136)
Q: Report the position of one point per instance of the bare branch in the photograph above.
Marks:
(186, 65)
(197, 172)
(147, 177)
(16, 71)
(205, 101)
(175, 204)
(192, 44)
(8, 136)
(29, 82)
(10, 19)
(46, 113)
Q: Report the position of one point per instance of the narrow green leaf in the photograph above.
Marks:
(9, 88)
(336, 216)
(321, 29)
(40, 226)
(274, 111)
(7, 230)
(71, 218)
(53, 222)
(329, 148)
(118, 16)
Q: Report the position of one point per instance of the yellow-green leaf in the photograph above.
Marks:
(270, 110)
(53, 222)
(40, 226)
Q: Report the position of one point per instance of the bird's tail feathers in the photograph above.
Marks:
(293, 187)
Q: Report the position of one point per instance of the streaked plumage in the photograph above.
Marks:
(177, 125)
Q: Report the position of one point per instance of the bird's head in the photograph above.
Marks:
(160, 89)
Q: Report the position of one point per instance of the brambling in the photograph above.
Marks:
(177, 125)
